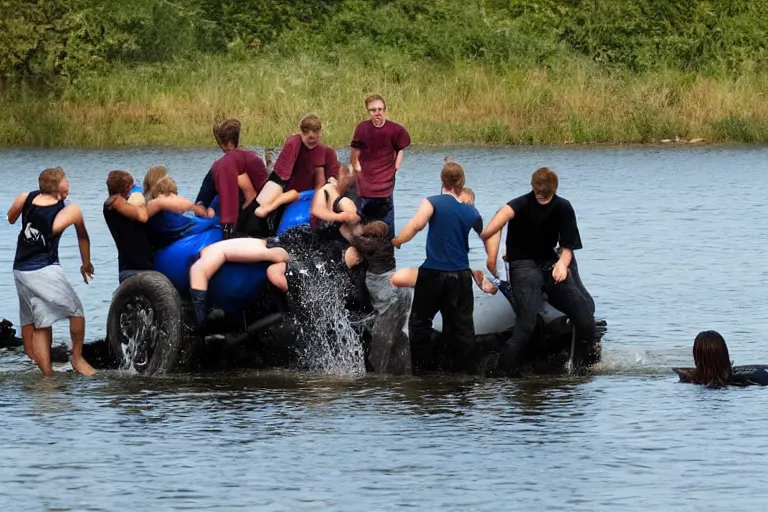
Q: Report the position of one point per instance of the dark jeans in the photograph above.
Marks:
(451, 294)
(379, 208)
(528, 280)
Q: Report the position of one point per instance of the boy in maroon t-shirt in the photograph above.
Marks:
(224, 176)
(294, 171)
(376, 154)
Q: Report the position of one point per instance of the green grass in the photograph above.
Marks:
(466, 103)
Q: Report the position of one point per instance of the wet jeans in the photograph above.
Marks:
(528, 280)
(451, 294)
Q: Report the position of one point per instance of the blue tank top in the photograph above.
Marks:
(448, 235)
(37, 247)
(164, 228)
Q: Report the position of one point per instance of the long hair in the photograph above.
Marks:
(713, 363)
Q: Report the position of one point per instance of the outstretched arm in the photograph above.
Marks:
(175, 204)
(416, 224)
(15, 210)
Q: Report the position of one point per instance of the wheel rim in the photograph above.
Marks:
(139, 333)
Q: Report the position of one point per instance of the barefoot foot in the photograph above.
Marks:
(261, 212)
(81, 366)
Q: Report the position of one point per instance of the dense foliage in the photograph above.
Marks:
(47, 42)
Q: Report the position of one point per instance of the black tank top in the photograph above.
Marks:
(37, 247)
(134, 251)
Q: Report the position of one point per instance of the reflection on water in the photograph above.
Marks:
(671, 247)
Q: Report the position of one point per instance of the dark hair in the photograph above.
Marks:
(374, 235)
(227, 131)
(119, 182)
(713, 363)
(544, 181)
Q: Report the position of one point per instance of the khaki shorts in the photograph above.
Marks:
(45, 296)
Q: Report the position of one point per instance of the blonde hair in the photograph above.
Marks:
(153, 176)
(165, 187)
(310, 123)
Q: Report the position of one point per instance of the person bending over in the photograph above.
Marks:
(166, 208)
(222, 180)
(126, 223)
(45, 295)
(537, 222)
(444, 281)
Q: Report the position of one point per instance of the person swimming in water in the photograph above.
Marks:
(714, 367)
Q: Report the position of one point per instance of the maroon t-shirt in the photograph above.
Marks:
(332, 164)
(296, 163)
(378, 148)
(225, 171)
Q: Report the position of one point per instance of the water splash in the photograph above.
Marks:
(330, 343)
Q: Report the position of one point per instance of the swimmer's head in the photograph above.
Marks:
(453, 177)
(154, 174)
(713, 363)
(544, 183)
(119, 182)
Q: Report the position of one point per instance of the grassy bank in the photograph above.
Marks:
(465, 103)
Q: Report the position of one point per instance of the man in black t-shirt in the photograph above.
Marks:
(537, 223)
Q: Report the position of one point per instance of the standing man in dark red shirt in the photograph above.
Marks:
(224, 174)
(376, 155)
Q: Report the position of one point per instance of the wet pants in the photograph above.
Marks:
(528, 280)
(451, 294)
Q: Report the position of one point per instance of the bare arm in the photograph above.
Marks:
(320, 207)
(175, 204)
(492, 250)
(504, 215)
(14, 212)
(72, 216)
(354, 159)
(416, 224)
(398, 160)
(124, 208)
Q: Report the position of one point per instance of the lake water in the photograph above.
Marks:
(673, 242)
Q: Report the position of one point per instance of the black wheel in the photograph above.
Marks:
(145, 324)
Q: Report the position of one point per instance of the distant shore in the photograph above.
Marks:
(466, 104)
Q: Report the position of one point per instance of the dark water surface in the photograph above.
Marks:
(673, 244)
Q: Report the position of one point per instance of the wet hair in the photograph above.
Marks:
(713, 363)
(374, 235)
(453, 177)
(375, 97)
(119, 182)
(469, 193)
(310, 123)
(227, 131)
(544, 182)
(49, 179)
(346, 179)
(154, 175)
(166, 186)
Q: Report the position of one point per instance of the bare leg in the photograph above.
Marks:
(236, 250)
(286, 197)
(77, 332)
(27, 333)
(404, 278)
(42, 343)
(245, 185)
(269, 193)
(276, 276)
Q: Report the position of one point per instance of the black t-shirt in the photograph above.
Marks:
(536, 229)
(134, 251)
